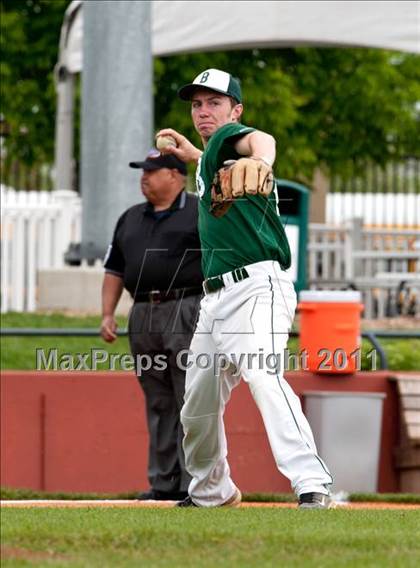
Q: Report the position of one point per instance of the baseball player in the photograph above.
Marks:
(249, 301)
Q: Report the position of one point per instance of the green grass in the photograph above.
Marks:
(9, 493)
(413, 498)
(20, 352)
(265, 537)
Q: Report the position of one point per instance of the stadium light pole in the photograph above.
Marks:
(117, 114)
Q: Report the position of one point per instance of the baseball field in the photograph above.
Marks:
(268, 534)
(247, 537)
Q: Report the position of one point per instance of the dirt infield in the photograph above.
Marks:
(38, 503)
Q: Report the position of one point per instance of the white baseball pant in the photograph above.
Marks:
(252, 316)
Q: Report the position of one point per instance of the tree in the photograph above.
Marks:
(30, 31)
(333, 108)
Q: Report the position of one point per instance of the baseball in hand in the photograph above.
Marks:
(163, 142)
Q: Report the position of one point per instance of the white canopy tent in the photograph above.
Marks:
(204, 26)
(180, 26)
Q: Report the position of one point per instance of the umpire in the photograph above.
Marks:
(155, 255)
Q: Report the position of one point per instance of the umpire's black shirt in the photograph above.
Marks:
(157, 250)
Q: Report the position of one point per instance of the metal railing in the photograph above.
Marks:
(371, 335)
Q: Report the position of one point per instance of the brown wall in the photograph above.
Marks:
(86, 431)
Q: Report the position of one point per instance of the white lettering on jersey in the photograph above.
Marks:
(201, 188)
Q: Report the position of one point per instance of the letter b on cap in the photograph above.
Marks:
(204, 77)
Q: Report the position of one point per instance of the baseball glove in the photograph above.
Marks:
(237, 177)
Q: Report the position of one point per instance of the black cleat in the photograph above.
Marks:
(315, 501)
(154, 495)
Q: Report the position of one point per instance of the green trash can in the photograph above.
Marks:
(293, 202)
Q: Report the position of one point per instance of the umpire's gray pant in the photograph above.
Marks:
(164, 329)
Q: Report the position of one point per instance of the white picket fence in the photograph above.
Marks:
(36, 229)
(376, 209)
(384, 264)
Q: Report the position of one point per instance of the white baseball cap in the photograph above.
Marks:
(214, 80)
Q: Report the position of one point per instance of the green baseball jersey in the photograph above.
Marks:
(251, 230)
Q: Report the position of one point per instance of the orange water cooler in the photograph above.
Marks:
(330, 340)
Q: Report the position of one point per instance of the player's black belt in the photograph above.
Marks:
(216, 282)
(159, 296)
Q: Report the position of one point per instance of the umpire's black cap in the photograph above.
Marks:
(156, 161)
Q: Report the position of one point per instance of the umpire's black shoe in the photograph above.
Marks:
(154, 495)
(315, 501)
(187, 502)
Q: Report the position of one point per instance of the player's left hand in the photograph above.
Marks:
(251, 175)
(238, 177)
